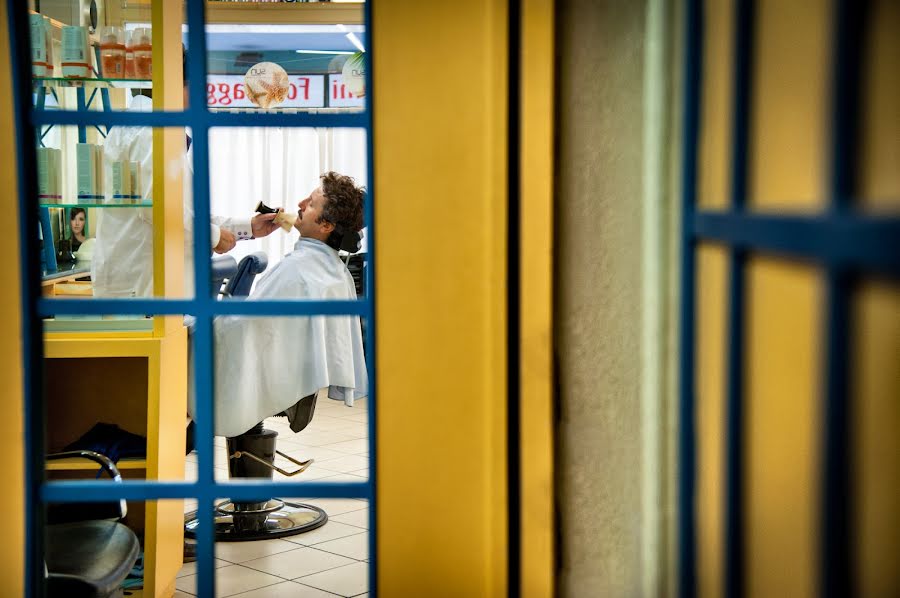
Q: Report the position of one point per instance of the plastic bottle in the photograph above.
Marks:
(112, 53)
(142, 45)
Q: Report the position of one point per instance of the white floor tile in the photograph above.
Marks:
(360, 417)
(299, 562)
(354, 547)
(355, 429)
(240, 552)
(321, 438)
(344, 477)
(341, 411)
(363, 473)
(349, 446)
(313, 473)
(287, 589)
(356, 518)
(330, 531)
(230, 580)
(350, 580)
(324, 423)
(191, 568)
(334, 506)
(318, 453)
(344, 463)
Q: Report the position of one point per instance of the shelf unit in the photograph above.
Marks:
(137, 381)
(131, 372)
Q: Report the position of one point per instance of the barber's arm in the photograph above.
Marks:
(225, 235)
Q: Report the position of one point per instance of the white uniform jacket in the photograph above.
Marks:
(122, 265)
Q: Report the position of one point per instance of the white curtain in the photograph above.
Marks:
(280, 167)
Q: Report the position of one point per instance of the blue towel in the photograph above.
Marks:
(112, 441)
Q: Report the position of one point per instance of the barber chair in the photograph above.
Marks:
(252, 455)
(222, 269)
(88, 552)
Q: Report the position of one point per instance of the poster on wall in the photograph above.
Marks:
(230, 91)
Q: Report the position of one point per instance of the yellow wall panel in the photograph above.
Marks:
(712, 328)
(714, 161)
(12, 555)
(789, 142)
(879, 175)
(440, 209)
(876, 471)
(537, 300)
(782, 428)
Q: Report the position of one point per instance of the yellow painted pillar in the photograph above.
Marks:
(440, 208)
(12, 555)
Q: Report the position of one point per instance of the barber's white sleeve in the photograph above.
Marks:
(214, 235)
(241, 229)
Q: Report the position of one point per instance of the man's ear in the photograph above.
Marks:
(327, 227)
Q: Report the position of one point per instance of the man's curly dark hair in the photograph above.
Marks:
(344, 204)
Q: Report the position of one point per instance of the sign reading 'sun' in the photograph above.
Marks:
(267, 84)
(354, 75)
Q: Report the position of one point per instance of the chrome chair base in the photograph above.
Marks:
(259, 521)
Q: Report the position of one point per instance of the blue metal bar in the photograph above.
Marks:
(196, 119)
(44, 134)
(48, 307)
(82, 129)
(99, 490)
(837, 563)
(204, 379)
(29, 275)
(742, 86)
(203, 334)
(849, 21)
(371, 324)
(734, 435)
(90, 99)
(513, 301)
(47, 236)
(734, 391)
(41, 102)
(853, 242)
(693, 71)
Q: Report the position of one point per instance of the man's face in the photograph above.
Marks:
(309, 218)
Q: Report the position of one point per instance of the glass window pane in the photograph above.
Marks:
(101, 205)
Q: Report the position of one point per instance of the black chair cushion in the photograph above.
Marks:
(89, 558)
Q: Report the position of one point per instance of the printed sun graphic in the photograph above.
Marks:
(267, 84)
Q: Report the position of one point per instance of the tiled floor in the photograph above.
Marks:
(324, 563)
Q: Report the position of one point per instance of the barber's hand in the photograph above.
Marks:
(227, 241)
(262, 224)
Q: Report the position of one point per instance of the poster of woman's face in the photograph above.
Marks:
(77, 233)
(70, 224)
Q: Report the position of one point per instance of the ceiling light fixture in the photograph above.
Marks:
(355, 41)
(324, 52)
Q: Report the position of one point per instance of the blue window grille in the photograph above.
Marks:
(205, 489)
(846, 244)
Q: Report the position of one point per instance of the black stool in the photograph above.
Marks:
(252, 455)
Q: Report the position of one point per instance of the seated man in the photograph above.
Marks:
(264, 365)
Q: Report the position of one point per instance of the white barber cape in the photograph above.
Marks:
(264, 365)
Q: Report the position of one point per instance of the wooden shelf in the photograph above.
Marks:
(272, 13)
(79, 464)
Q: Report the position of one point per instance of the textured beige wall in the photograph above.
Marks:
(614, 307)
